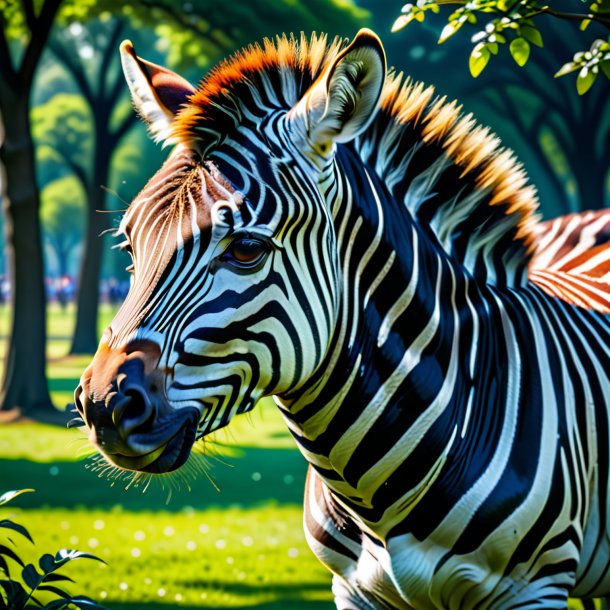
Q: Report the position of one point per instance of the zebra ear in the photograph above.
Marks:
(342, 102)
(158, 94)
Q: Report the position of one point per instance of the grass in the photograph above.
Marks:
(183, 540)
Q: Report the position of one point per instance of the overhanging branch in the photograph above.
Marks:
(75, 68)
(181, 19)
(36, 44)
(30, 16)
(6, 64)
(126, 124)
(108, 54)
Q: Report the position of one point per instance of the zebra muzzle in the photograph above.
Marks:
(121, 399)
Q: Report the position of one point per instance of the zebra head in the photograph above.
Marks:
(236, 281)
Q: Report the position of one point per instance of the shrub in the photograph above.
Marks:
(16, 594)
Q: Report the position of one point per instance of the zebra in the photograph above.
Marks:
(333, 234)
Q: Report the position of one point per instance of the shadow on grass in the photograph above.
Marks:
(290, 590)
(289, 603)
(63, 384)
(254, 477)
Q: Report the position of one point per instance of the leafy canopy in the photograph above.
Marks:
(515, 22)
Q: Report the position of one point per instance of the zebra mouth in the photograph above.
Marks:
(166, 456)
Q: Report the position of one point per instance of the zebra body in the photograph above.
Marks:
(370, 258)
(442, 515)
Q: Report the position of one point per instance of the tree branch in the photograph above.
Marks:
(75, 68)
(545, 10)
(126, 124)
(182, 21)
(77, 169)
(6, 64)
(116, 88)
(30, 16)
(37, 42)
(109, 53)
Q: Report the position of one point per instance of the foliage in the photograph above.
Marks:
(206, 30)
(62, 131)
(17, 594)
(515, 22)
(62, 208)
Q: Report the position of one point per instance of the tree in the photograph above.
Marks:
(79, 49)
(24, 384)
(88, 52)
(206, 31)
(498, 21)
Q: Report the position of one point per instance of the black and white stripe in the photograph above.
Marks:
(454, 413)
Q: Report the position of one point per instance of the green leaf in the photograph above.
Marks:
(449, 30)
(9, 495)
(493, 47)
(85, 603)
(51, 589)
(566, 69)
(6, 523)
(47, 563)
(520, 50)
(57, 578)
(402, 21)
(57, 604)
(532, 35)
(63, 556)
(15, 593)
(585, 80)
(4, 550)
(478, 60)
(605, 66)
(30, 576)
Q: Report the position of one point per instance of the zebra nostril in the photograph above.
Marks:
(132, 410)
(77, 401)
(119, 406)
(79, 404)
(137, 406)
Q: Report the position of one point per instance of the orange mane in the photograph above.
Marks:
(304, 59)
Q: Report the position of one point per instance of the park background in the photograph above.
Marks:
(226, 533)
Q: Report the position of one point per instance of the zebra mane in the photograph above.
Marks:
(288, 65)
(456, 179)
(482, 206)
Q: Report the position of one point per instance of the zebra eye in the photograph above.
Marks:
(245, 253)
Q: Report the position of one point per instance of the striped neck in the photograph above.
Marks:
(389, 362)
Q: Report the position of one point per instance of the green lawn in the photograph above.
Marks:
(181, 540)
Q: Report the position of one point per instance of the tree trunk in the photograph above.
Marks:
(85, 338)
(24, 384)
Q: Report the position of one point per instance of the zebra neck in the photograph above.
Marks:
(388, 370)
